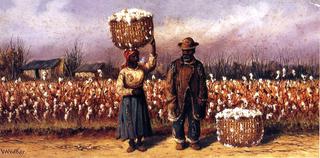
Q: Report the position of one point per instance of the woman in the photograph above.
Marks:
(134, 122)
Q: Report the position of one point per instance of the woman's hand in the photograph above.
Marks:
(138, 91)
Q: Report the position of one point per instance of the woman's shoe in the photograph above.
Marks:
(130, 149)
(180, 146)
(132, 146)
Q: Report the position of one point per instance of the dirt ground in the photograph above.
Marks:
(302, 145)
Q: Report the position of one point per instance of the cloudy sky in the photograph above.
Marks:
(273, 28)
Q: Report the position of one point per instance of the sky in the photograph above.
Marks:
(236, 28)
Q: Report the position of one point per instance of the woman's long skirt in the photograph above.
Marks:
(133, 118)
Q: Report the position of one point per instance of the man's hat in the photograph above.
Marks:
(187, 44)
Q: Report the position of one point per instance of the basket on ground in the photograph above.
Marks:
(131, 28)
(240, 127)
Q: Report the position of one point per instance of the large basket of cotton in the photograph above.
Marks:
(131, 28)
(240, 127)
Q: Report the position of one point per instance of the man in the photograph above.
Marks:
(186, 94)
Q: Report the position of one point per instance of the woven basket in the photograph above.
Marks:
(242, 132)
(131, 36)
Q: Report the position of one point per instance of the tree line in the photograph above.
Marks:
(15, 54)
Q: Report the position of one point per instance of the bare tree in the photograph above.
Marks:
(73, 58)
(13, 57)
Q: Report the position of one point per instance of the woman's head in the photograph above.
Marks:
(132, 57)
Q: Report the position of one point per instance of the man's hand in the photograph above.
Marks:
(203, 107)
(202, 102)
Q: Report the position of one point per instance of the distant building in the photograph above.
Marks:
(91, 70)
(53, 68)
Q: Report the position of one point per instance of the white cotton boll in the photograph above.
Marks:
(110, 112)
(160, 113)
(311, 78)
(218, 108)
(227, 145)
(3, 79)
(10, 117)
(211, 104)
(293, 72)
(237, 113)
(100, 75)
(60, 79)
(224, 86)
(244, 78)
(224, 78)
(66, 116)
(45, 94)
(284, 71)
(129, 14)
(88, 116)
(294, 107)
(251, 76)
(101, 106)
(268, 116)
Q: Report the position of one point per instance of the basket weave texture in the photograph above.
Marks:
(131, 36)
(242, 132)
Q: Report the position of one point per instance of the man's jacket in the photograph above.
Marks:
(183, 78)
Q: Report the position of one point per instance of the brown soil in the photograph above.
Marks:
(298, 145)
